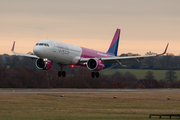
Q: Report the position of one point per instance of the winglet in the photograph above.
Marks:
(13, 47)
(21, 54)
(165, 50)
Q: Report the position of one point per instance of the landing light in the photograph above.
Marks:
(45, 59)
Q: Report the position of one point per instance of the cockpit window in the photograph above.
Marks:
(42, 44)
(45, 44)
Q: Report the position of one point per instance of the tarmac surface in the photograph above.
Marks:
(52, 91)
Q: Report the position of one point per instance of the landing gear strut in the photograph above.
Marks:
(95, 74)
(61, 73)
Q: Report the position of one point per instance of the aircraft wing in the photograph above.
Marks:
(118, 60)
(21, 54)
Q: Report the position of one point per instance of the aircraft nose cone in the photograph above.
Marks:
(36, 50)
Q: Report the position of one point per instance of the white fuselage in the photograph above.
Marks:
(57, 51)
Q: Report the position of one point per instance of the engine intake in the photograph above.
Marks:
(95, 64)
(43, 64)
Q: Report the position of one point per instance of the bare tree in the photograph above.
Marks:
(149, 75)
(149, 62)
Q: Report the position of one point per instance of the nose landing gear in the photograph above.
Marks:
(61, 73)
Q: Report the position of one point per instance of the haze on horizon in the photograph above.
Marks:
(145, 25)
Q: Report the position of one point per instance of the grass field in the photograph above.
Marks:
(92, 106)
(140, 74)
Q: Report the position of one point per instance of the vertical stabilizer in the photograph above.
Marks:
(114, 44)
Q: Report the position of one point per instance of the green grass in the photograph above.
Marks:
(97, 106)
(140, 74)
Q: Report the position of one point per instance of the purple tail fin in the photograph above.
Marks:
(114, 44)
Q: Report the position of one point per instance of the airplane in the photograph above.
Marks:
(48, 51)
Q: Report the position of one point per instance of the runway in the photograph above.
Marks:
(53, 91)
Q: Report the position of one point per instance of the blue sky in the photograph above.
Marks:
(145, 25)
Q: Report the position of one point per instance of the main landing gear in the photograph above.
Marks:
(61, 73)
(95, 74)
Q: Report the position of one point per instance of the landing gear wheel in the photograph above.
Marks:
(63, 73)
(97, 74)
(92, 74)
(59, 74)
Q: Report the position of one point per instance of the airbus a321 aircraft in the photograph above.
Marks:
(48, 51)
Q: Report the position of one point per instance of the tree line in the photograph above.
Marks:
(166, 62)
(20, 72)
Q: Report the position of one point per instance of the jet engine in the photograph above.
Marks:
(43, 64)
(95, 64)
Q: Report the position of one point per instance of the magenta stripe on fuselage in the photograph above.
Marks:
(88, 53)
(115, 37)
